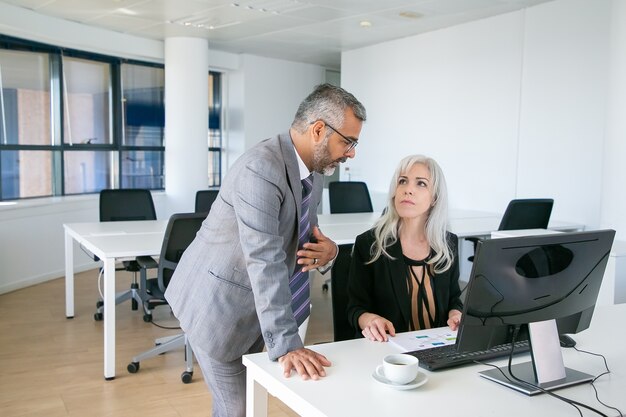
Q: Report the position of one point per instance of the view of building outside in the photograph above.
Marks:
(71, 123)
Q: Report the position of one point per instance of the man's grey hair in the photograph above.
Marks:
(328, 103)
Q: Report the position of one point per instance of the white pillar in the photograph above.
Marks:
(186, 121)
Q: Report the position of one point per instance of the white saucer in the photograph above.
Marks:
(379, 376)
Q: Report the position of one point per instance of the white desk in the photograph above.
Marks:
(349, 389)
(483, 226)
(343, 228)
(110, 241)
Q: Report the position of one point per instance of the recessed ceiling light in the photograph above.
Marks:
(365, 24)
(410, 15)
(125, 11)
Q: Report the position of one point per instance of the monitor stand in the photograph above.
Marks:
(546, 370)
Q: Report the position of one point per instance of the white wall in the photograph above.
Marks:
(562, 120)
(614, 190)
(451, 94)
(511, 106)
(31, 232)
(262, 97)
(265, 106)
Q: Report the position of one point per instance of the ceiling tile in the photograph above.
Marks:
(313, 31)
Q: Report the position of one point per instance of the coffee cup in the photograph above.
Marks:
(400, 368)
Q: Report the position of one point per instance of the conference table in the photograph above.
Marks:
(349, 388)
(116, 241)
(343, 228)
(111, 242)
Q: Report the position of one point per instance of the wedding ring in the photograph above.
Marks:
(314, 261)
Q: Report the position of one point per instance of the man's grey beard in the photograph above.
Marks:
(322, 161)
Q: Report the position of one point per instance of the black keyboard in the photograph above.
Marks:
(447, 357)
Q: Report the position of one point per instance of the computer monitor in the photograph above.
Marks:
(534, 287)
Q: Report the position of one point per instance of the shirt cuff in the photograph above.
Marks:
(325, 268)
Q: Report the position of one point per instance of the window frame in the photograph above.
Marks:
(58, 148)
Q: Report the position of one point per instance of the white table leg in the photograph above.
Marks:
(256, 397)
(109, 318)
(69, 276)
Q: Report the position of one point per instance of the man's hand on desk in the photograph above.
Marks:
(307, 363)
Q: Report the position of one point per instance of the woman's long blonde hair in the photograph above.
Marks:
(387, 226)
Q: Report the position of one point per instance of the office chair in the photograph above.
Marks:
(529, 213)
(204, 200)
(348, 197)
(180, 232)
(342, 329)
(125, 205)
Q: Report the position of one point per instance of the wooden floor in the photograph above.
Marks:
(52, 366)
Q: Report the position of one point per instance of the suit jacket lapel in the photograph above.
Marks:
(292, 170)
(397, 274)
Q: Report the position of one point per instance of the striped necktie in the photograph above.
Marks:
(299, 281)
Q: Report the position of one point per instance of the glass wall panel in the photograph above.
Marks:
(26, 174)
(143, 105)
(142, 169)
(88, 171)
(215, 129)
(24, 98)
(214, 171)
(87, 103)
(72, 122)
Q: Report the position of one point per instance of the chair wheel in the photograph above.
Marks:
(134, 305)
(133, 367)
(325, 287)
(147, 318)
(186, 377)
(99, 304)
(97, 316)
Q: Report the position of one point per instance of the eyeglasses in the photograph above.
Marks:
(349, 141)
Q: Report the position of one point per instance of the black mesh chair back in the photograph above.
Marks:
(529, 213)
(179, 233)
(342, 329)
(126, 205)
(532, 213)
(204, 200)
(349, 197)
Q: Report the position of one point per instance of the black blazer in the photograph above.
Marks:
(380, 287)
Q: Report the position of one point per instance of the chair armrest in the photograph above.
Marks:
(147, 262)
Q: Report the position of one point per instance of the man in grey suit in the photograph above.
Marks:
(231, 289)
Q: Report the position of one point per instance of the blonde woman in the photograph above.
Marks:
(405, 271)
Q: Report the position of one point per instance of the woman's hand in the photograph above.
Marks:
(375, 327)
(454, 318)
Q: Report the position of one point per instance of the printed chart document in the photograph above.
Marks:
(424, 339)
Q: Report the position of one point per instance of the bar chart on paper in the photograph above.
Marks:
(424, 339)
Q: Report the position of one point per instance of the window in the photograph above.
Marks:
(73, 122)
(25, 125)
(143, 113)
(215, 129)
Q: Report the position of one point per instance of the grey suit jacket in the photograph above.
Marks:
(232, 283)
